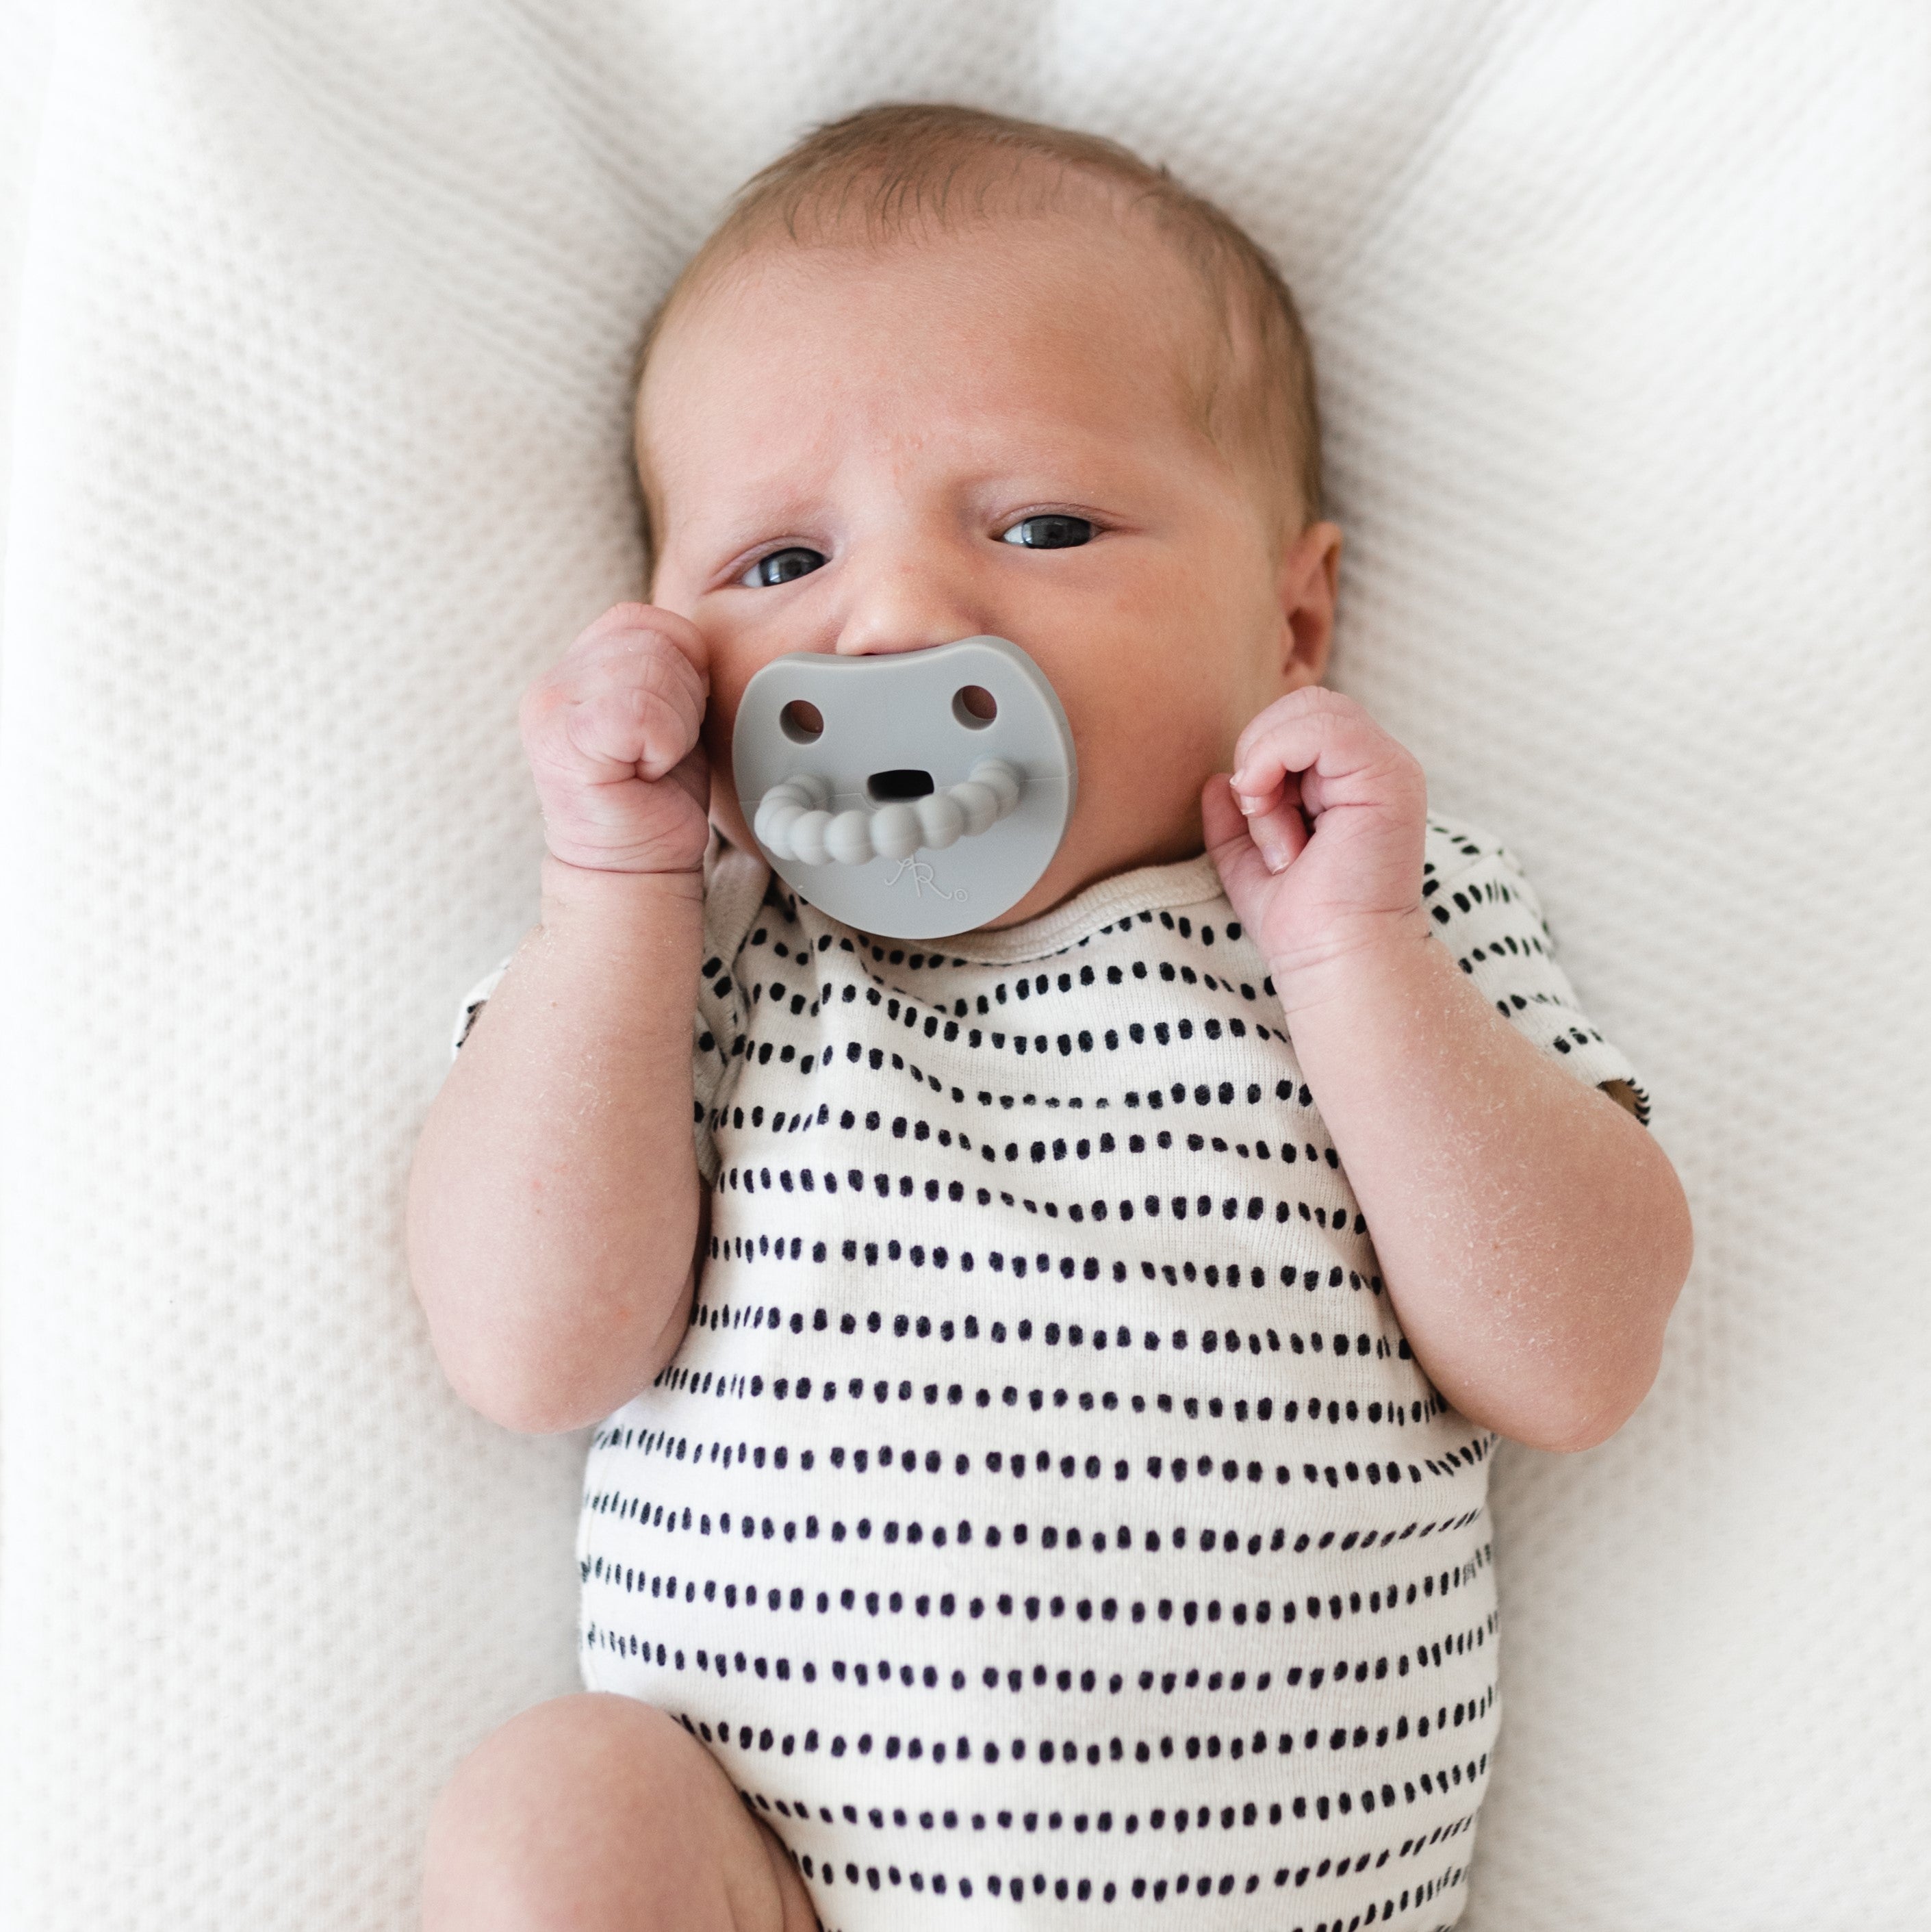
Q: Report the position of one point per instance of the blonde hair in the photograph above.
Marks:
(888, 170)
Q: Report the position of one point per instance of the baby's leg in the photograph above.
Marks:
(597, 1813)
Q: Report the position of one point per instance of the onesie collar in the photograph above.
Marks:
(1144, 889)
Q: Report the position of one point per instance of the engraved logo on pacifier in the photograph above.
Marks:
(920, 871)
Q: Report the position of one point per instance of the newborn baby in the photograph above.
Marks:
(1044, 1411)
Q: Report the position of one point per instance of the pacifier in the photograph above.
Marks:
(911, 795)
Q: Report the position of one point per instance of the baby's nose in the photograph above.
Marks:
(906, 607)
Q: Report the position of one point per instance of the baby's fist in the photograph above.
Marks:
(612, 735)
(1318, 837)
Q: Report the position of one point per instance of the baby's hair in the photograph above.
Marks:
(886, 172)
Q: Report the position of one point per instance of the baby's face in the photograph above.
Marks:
(860, 450)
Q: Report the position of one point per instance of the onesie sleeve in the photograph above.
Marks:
(474, 1001)
(1486, 912)
(734, 887)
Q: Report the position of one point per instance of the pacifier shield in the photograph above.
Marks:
(912, 795)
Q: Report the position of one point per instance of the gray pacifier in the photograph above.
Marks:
(911, 795)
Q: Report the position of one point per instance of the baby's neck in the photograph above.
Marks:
(1067, 877)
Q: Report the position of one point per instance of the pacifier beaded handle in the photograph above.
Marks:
(794, 820)
(911, 794)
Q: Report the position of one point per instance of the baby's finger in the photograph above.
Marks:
(1230, 838)
(1223, 827)
(624, 621)
(1274, 824)
(1276, 820)
(617, 658)
(650, 676)
(1310, 731)
(641, 730)
(1279, 834)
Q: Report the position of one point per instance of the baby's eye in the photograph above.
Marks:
(781, 566)
(1053, 532)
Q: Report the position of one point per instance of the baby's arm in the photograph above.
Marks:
(1532, 1236)
(554, 1202)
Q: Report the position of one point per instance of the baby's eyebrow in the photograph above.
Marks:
(1082, 466)
(711, 541)
(731, 533)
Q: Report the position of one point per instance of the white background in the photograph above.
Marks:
(316, 315)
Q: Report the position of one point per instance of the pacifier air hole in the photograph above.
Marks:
(802, 723)
(974, 707)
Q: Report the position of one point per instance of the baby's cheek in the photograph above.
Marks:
(1140, 778)
(717, 741)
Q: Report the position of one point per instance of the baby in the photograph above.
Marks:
(1044, 1412)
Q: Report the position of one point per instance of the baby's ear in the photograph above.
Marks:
(1307, 584)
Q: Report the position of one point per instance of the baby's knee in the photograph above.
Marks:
(513, 1842)
(598, 1813)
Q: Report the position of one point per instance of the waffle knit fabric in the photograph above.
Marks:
(317, 321)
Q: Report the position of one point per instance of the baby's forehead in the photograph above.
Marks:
(1019, 244)
(954, 181)
(1018, 275)
(981, 195)
(1087, 276)
(1074, 338)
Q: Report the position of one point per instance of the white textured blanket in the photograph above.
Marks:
(318, 313)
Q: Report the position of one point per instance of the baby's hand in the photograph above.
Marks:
(619, 715)
(1317, 838)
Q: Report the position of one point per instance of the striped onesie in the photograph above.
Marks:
(1044, 1518)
